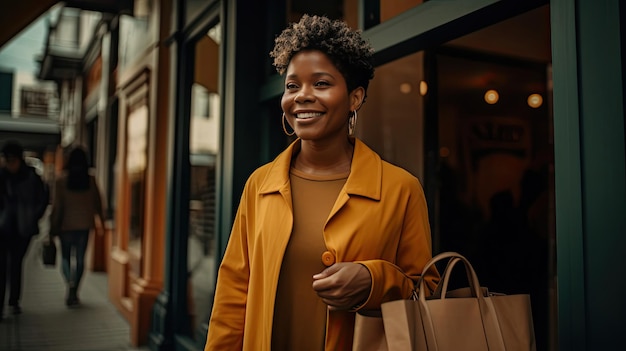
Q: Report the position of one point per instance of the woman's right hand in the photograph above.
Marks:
(343, 285)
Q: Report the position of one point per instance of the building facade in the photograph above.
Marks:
(510, 113)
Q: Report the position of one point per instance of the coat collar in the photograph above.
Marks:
(365, 177)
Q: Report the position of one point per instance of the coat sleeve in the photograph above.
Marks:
(396, 281)
(226, 326)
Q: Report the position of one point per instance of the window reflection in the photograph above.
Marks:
(204, 151)
(136, 161)
(494, 176)
(392, 119)
(135, 38)
(487, 167)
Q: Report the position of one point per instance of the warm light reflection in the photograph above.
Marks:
(405, 88)
(491, 96)
(535, 100)
(137, 144)
(423, 88)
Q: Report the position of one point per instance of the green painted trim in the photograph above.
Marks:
(568, 182)
(421, 19)
(225, 176)
(436, 22)
(603, 170)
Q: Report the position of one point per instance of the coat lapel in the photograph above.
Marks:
(365, 177)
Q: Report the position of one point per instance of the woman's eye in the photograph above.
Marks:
(291, 86)
(322, 83)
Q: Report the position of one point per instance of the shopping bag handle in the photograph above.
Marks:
(442, 287)
(491, 326)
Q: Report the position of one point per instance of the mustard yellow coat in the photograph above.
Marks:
(379, 220)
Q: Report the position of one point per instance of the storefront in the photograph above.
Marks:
(478, 99)
(493, 104)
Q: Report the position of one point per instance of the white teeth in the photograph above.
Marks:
(308, 115)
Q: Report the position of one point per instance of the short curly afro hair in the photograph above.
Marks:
(351, 54)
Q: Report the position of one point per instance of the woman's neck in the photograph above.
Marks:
(319, 159)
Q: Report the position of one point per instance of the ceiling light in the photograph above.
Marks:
(491, 97)
(405, 88)
(423, 88)
(535, 100)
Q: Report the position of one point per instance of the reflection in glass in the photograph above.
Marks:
(488, 167)
(391, 121)
(494, 179)
(136, 161)
(204, 151)
(135, 38)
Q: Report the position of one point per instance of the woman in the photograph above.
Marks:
(76, 204)
(327, 228)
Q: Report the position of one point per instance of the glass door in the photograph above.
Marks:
(495, 193)
(472, 119)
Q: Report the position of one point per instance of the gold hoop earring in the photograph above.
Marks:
(352, 122)
(285, 128)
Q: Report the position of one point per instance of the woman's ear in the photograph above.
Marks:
(356, 98)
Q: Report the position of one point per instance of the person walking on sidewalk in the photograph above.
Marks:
(23, 201)
(75, 206)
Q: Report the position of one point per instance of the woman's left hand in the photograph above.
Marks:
(343, 285)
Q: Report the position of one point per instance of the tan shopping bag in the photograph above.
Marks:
(466, 319)
(369, 332)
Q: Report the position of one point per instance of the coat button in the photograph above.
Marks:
(328, 258)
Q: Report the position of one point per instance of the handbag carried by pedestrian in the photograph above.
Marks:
(49, 252)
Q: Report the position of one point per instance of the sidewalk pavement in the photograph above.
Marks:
(46, 324)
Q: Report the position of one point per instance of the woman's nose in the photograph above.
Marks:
(304, 95)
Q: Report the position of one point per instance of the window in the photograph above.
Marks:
(204, 150)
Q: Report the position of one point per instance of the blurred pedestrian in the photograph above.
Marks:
(23, 201)
(76, 205)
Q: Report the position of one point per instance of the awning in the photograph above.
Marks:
(34, 133)
(15, 16)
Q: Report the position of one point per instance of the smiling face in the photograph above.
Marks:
(316, 101)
